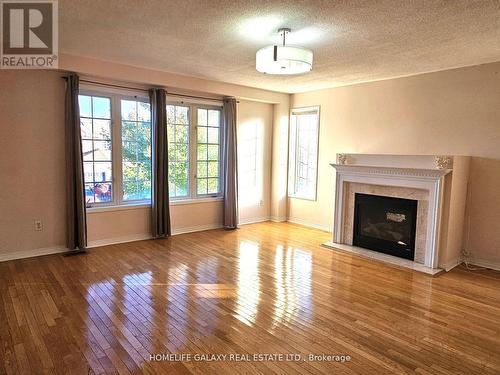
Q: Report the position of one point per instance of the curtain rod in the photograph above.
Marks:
(112, 85)
(193, 97)
(145, 90)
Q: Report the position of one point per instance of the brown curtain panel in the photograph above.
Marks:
(160, 220)
(230, 165)
(75, 196)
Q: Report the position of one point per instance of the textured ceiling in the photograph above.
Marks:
(353, 41)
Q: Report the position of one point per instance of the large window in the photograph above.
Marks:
(116, 141)
(194, 150)
(303, 160)
(116, 145)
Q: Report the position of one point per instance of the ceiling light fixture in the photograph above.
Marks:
(284, 59)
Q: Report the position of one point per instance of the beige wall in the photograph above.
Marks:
(482, 234)
(455, 112)
(32, 161)
(133, 223)
(279, 175)
(255, 131)
(118, 226)
(32, 166)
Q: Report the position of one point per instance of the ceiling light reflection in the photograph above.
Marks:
(304, 36)
(260, 29)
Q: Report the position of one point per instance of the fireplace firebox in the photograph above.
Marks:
(385, 224)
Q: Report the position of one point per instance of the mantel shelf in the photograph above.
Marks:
(391, 171)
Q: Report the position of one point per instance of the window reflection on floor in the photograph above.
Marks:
(206, 293)
(177, 324)
(293, 285)
(137, 296)
(248, 283)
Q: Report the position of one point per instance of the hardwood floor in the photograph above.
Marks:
(266, 288)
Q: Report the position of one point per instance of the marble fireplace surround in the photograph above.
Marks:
(410, 177)
(420, 195)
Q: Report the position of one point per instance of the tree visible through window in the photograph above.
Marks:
(136, 150)
(178, 150)
(116, 145)
(193, 151)
(208, 152)
(116, 141)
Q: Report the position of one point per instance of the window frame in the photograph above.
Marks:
(137, 98)
(193, 105)
(189, 161)
(112, 135)
(292, 155)
(116, 96)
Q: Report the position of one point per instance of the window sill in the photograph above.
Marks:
(178, 202)
(302, 198)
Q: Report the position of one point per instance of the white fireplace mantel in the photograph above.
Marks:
(430, 179)
(414, 173)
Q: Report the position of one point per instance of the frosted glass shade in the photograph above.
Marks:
(284, 60)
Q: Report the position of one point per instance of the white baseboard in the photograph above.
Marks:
(305, 223)
(484, 263)
(252, 220)
(32, 253)
(450, 265)
(278, 219)
(197, 228)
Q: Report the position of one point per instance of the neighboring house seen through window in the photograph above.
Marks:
(95, 125)
(116, 144)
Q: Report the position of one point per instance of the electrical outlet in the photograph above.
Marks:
(38, 225)
(261, 203)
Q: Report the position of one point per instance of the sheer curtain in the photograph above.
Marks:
(160, 220)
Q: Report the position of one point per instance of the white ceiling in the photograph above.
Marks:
(353, 41)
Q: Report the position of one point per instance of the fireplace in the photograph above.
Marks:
(436, 188)
(385, 224)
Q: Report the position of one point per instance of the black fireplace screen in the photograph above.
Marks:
(385, 224)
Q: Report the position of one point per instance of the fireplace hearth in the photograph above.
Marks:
(385, 224)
